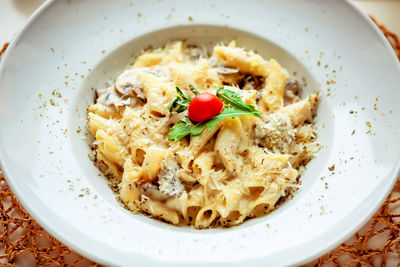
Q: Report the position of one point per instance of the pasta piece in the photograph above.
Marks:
(264, 179)
(273, 193)
(158, 210)
(206, 78)
(197, 196)
(131, 119)
(228, 143)
(268, 161)
(186, 176)
(229, 198)
(152, 164)
(247, 123)
(301, 111)
(104, 111)
(109, 168)
(174, 52)
(192, 212)
(274, 90)
(236, 57)
(183, 76)
(202, 165)
(199, 141)
(233, 218)
(129, 191)
(148, 60)
(241, 211)
(264, 167)
(186, 158)
(158, 93)
(179, 204)
(217, 179)
(264, 203)
(205, 217)
(111, 148)
(97, 122)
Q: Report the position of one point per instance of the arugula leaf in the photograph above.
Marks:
(193, 89)
(180, 103)
(232, 98)
(180, 130)
(185, 127)
(185, 98)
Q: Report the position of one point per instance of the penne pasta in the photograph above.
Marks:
(301, 111)
(240, 167)
(152, 163)
(158, 210)
(245, 61)
(272, 95)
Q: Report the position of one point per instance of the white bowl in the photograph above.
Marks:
(74, 45)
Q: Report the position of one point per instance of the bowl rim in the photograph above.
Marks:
(90, 254)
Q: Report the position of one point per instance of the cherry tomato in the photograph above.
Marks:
(204, 106)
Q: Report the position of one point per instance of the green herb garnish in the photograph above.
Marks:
(185, 127)
(180, 103)
(233, 107)
(194, 90)
(232, 98)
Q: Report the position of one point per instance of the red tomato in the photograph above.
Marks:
(204, 106)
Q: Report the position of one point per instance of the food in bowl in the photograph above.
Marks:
(203, 140)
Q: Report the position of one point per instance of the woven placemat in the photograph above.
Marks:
(23, 241)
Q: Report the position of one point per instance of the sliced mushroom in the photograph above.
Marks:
(130, 84)
(229, 76)
(252, 82)
(168, 179)
(292, 85)
(292, 92)
(110, 99)
(154, 192)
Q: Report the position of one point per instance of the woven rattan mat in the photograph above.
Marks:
(23, 241)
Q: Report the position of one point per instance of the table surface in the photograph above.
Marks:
(14, 13)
